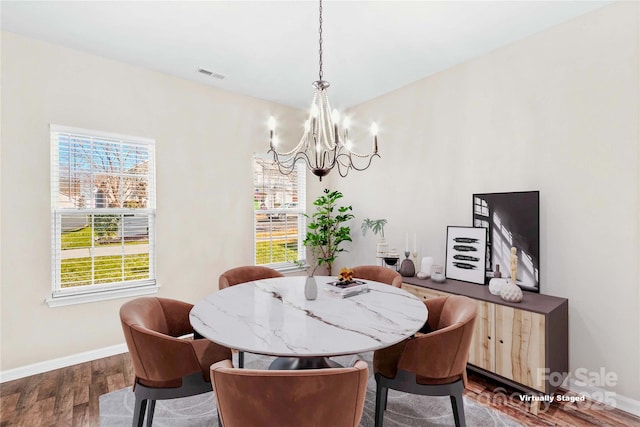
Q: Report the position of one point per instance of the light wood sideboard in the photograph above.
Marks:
(524, 345)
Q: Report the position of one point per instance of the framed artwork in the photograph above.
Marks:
(511, 220)
(466, 254)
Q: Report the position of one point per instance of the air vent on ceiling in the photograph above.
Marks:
(210, 73)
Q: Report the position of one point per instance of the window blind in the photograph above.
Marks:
(103, 210)
(279, 208)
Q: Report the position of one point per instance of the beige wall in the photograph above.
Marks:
(556, 112)
(205, 138)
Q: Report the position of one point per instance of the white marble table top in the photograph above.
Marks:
(272, 317)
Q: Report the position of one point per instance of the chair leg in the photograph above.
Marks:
(457, 405)
(150, 412)
(138, 412)
(386, 394)
(240, 359)
(381, 404)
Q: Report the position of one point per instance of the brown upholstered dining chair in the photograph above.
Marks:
(245, 274)
(378, 274)
(307, 397)
(165, 366)
(433, 363)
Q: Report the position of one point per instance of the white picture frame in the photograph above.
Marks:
(466, 254)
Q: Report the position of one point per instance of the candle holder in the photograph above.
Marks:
(415, 257)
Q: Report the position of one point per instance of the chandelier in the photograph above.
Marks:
(324, 144)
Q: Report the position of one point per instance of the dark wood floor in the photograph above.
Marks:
(69, 397)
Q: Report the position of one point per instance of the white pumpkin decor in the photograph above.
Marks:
(496, 285)
(511, 292)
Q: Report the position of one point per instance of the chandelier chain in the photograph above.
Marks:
(320, 42)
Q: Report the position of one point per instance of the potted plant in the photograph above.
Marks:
(326, 230)
(377, 227)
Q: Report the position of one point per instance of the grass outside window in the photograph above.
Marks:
(78, 271)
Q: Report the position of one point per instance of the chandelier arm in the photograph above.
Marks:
(345, 173)
(335, 157)
(286, 169)
(294, 150)
(347, 166)
(282, 168)
(352, 165)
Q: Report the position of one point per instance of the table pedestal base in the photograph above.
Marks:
(295, 363)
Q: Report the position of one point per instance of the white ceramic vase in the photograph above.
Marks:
(511, 292)
(496, 285)
(310, 288)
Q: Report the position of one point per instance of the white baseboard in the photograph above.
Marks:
(62, 362)
(607, 397)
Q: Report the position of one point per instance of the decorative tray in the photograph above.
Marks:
(345, 283)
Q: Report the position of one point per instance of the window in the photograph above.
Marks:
(279, 207)
(103, 214)
(480, 206)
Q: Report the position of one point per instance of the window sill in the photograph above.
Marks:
(289, 269)
(62, 301)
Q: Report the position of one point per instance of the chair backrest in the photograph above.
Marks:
(151, 326)
(378, 274)
(442, 353)
(245, 274)
(310, 397)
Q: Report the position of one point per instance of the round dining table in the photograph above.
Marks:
(273, 317)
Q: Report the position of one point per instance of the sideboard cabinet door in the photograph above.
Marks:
(482, 350)
(520, 346)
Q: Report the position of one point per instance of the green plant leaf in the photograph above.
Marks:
(326, 230)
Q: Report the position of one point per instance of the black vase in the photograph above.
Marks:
(407, 269)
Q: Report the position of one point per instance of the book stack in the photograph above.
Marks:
(345, 290)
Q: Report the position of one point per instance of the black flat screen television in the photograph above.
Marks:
(512, 220)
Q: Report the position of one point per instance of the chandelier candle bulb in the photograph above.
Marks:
(374, 131)
(272, 126)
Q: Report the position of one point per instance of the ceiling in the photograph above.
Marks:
(269, 49)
